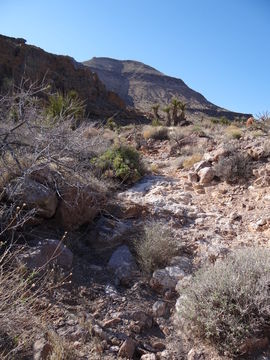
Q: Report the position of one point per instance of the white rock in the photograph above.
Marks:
(206, 175)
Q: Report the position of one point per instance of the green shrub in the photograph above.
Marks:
(62, 106)
(156, 247)
(122, 162)
(229, 302)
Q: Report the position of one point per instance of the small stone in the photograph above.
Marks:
(148, 357)
(114, 348)
(159, 346)
(98, 331)
(159, 308)
(144, 320)
(194, 355)
(193, 177)
(127, 349)
(111, 323)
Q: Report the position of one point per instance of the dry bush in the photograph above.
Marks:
(191, 160)
(156, 247)
(234, 167)
(234, 132)
(156, 133)
(229, 302)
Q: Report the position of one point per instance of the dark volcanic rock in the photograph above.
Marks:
(142, 86)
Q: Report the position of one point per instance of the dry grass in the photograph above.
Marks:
(191, 160)
(234, 132)
(156, 247)
(155, 132)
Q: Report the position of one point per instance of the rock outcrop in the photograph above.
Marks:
(18, 59)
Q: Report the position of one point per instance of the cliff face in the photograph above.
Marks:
(142, 86)
(18, 59)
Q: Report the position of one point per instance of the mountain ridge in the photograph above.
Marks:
(142, 86)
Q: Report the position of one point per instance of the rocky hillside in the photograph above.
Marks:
(142, 86)
(18, 59)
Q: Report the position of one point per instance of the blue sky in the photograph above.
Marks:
(220, 48)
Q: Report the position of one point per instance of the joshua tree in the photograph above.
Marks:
(175, 106)
(178, 105)
(155, 109)
(182, 107)
(167, 110)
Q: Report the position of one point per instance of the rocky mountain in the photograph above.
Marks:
(142, 86)
(18, 59)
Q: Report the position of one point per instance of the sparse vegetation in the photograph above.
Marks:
(228, 303)
(156, 247)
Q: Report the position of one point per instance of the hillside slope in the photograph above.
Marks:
(142, 86)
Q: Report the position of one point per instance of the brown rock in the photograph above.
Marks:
(112, 322)
(127, 349)
(65, 74)
(159, 346)
(144, 320)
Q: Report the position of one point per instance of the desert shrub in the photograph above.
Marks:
(235, 167)
(234, 132)
(156, 133)
(122, 162)
(156, 247)
(229, 302)
(63, 106)
(191, 160)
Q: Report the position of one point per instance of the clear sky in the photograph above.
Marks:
(220, 48)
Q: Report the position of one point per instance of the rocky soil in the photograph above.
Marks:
(111, 309)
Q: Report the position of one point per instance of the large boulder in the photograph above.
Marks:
(46, 252)
(79, 205)
(123, 264)
(35, 195)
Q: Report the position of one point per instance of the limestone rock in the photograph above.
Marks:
(166, 279)
(206, 175)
